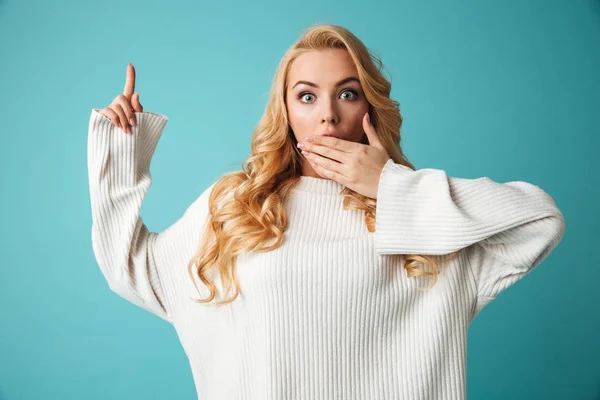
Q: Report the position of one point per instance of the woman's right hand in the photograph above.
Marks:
(122, 109)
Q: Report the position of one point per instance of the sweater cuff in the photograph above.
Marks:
(389, 191)
(129, 155)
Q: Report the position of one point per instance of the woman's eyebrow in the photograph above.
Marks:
(350, 78)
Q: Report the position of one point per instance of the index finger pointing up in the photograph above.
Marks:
(129, 82)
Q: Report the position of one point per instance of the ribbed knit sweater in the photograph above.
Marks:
(331, 313)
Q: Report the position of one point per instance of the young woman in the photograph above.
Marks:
(332, 271)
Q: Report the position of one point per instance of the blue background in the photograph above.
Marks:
(508, 90)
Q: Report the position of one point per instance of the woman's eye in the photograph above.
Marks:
(354, 94)
(304, 94)
(350, 91)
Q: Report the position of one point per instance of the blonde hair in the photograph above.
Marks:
(254, 215)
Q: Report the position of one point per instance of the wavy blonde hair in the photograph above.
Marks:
(255, 215)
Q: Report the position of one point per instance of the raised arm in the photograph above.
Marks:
(506, 228)
(119, 177)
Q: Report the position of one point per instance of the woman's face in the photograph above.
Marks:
(318, 103)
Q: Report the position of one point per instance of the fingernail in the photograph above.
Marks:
(132, 121)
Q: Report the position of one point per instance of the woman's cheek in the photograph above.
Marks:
(299, 119)
(300, 113)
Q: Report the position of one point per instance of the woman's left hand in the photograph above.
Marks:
(358, 165)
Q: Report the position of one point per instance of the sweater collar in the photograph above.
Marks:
(318, 185)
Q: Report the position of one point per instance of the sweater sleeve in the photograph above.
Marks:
(119, 177)
(507, 229)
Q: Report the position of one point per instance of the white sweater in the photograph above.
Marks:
(331, 314)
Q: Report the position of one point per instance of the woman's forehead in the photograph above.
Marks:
(322, 67)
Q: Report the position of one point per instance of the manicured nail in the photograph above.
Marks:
(310, 139)
(132, 121)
